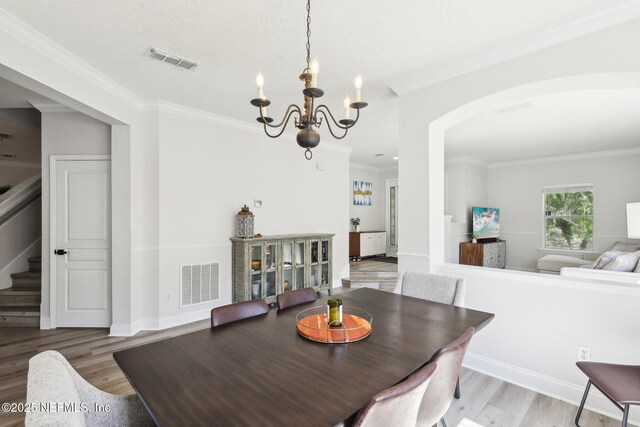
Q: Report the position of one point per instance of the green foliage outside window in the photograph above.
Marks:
(569, 220)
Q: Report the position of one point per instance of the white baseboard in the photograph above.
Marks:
(45, 322)
(19, 263)
(153, 324)
(544, 384)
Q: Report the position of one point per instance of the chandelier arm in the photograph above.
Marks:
(285, 119)
(284, 122)
(346, 129)
(321, 109)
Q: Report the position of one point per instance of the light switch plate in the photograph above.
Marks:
(257, 203)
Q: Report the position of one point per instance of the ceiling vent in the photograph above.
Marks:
(4, 136)
(172, 59)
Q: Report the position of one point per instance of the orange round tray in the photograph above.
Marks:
(312, 324)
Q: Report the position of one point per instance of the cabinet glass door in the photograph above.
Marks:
(270, 252)
(325, 250)
(299, 253)
(287, 250)
(256, 258)
(324, 278)
(256, 285)
(287, 282)
(315, 249)
(314, 280)
(300, 283)
(271, 283)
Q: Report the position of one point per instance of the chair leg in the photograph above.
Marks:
(456, 394)
(442, 422)
(625, 415)
(584, 400)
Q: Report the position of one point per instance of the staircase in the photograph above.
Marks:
(20, 304)
(384, 280)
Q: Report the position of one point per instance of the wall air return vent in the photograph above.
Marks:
(173, 59)
(199, 283)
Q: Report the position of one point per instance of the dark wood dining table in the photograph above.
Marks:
(260, 372)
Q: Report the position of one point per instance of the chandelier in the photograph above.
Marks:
(309, 116)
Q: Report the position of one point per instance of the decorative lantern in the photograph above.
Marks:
(244, 221)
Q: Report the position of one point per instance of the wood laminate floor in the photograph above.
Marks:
(371, 265)
(485, 401)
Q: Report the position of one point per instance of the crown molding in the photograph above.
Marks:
(17, 28)
(568, 157)
(372, 168)
(466, 159)
(205, 116)
(616, 14)
(51, 107)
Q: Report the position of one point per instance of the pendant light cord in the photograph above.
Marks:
(308, 34)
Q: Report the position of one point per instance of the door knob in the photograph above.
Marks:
(60, 252)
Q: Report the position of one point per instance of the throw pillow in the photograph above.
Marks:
(605, 259)
(624, 247)
(624, 263)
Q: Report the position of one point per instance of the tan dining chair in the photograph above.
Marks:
(241, 310)
(432, 287)
(439, 394)
(52, 380)
(398, 405)
(619, 383)
(297, 297)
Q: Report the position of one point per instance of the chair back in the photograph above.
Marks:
(242, 310)
(397, 406)
(439, 394)
(51, 379)
(300, 296)
(431, 287)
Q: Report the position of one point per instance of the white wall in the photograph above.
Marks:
(370, 218)
(65, 133)
(466, 188)
(19, 240)
(517, 191)
(13, 173)
(533, 340)
(206, 171)
(23, 124)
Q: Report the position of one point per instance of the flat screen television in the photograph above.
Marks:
(486, 223)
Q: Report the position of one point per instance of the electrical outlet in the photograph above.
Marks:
(584, 353)
(167, 297)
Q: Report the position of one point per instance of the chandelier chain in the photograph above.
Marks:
(308, 34)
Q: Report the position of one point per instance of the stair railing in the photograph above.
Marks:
(19, 197)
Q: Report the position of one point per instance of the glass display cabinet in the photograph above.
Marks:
(264, 267)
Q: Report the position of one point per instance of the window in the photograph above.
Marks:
(568, 217)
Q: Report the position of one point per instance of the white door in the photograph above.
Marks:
(391, 216)
(82, 236)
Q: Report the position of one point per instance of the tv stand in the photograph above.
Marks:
(484, 254)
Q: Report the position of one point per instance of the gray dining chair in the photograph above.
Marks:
(238, 311)
(440, 393)
(51, 379)
(297, 297)
(432, 287)
(397, 406)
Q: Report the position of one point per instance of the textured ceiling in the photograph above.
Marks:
(380, 39)
(565, 123)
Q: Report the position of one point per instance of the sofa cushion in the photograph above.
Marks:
(626, 262)
(556, 262)
(605, 259)
(624, 247)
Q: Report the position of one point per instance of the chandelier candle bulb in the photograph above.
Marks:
(260, 83)
(314, 73)
(358, 85)
(347, 102)
(263, 112)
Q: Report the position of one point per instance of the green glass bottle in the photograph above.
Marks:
(334, 311)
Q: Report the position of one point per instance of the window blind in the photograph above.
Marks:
(577, 188)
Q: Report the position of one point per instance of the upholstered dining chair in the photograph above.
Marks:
(619, 383)
(300, 296)
(241, 310)
(52, 379)
(432, 287)
(397, 406)
(439, 394)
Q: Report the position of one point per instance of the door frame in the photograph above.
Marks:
(391, 182)
(53, 164)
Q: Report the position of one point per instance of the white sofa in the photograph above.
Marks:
(611, 276)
